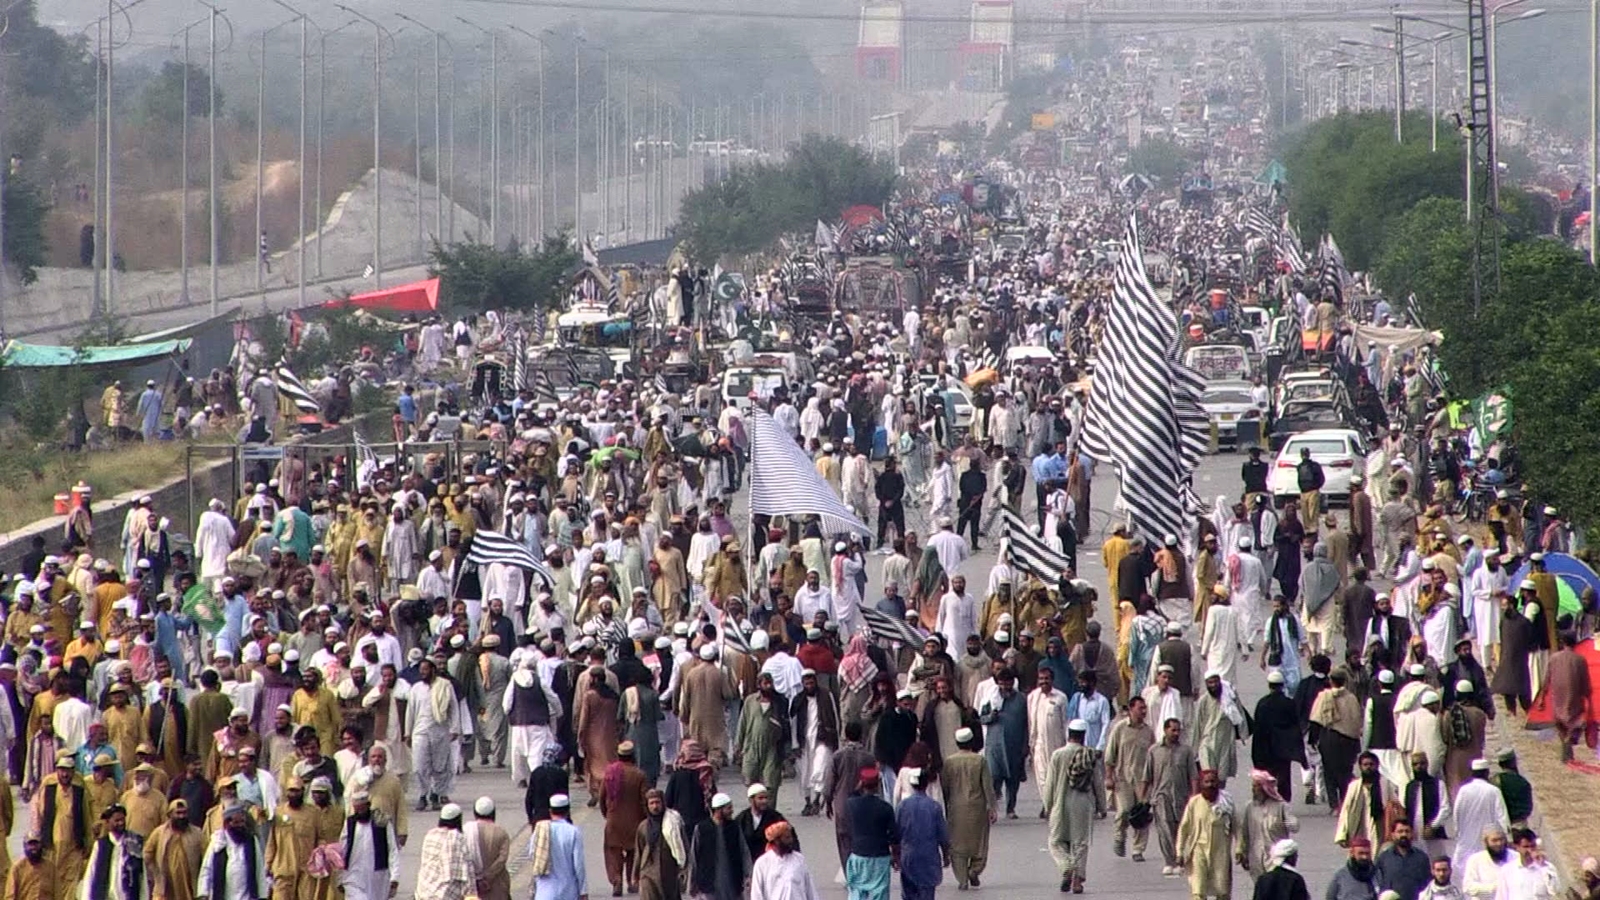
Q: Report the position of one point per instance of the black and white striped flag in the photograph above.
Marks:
(986, 358)
(1144, 414)
(517, 349)
(493, 547)
(1414, 311)
(1333, 274)
(544, 390)
(1257, 221)
(289, 386)
(1289, 249)
(733, 637)
(888, 628)
(1029, 552)
(661, 385)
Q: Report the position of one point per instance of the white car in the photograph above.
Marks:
(1227, 403)
(1340, 451)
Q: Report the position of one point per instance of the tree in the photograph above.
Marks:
(162, 99)
(750, 208)
(1161, 160)
(1351, 178)
(479, 277)
(48, 79)
(26, 247)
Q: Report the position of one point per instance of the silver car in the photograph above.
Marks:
(1228, 403)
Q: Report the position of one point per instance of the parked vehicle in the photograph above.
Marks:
(1339, 450)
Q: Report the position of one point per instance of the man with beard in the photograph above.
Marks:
(719, 860)
(658, 850)
(232, 868)
(1403, 867)
(173, 854)
(843, 784)
(1427, 805)
(1485, 868)
(146, 809)
(1357, 878)
(754, 820)
(781, 873)
(1206, 835)
(33, 876)
(894, 734)
(371, 854)
(446, 870)
(972, 667)
(61, 813)
(1074, 798)
(1006, 737)
(971, 802)
(208, 714)
(1100, 658)
(116, 864)
(315, 705)
(1276, 741)
(1176, 652)
(1361, 811)
(430, 718)
(762, 738)
(816, 727)
(295, 833)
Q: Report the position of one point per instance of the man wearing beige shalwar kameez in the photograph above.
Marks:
(1206, 836)
(702, 694)
(1047, 725)
(1073, 797)
(969, 804)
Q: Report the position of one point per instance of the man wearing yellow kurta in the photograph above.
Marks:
(1112, 553)
(124, 729)
(1206, 837)
(172, 855)
(61, 817)
(297, 829)
(33, 877)
(146, 808)
(313, 704)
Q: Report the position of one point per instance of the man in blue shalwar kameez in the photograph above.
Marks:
(1006, 737)
(924, 842)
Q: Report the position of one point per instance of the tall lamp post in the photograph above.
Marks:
(494, 128)
(322, 104)
(378, 33)
(540, 226)
(438, 143)
(1494, 83)
(261, 148)
(183, 166)
(300, 218)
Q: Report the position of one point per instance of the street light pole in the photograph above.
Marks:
(322, 103)
(211, 125)
(1399, 79)
(438, 136)
(183, 204)
(300, 231)
(377, 142)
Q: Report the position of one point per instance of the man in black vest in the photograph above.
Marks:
(719, 858)
(233, 868)
(1427, 806)
(531, 710)
(370, 849)
(116, 865)
(754, 820)
(1379, 724)
(1177, 653)
(62, 811)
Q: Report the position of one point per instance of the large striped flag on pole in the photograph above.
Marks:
(1289, 249)
(1029, 552)
(888, 628)
(290, 386)
(784, 480)
(1144, 415)
(490, 547)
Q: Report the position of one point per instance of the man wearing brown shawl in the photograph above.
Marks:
(1570, 693)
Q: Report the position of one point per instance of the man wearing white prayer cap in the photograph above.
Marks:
(445, 871)
(491, 849)
(372, 859)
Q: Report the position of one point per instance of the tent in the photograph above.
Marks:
(18, 355)
(1539, 717)
(1572, 576)
(416, 297)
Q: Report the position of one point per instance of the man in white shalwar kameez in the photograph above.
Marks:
(531, 717)
(781, 872)
(238, 851)
(1439, 627)
(1487, 583)
(1221, 640)
(430, 351)
(1479, 807)
(213, 541)
(371, 854)
(1047, 725)
(431, 718)
(847, 593)
(941, 488)
(1246, 578)
(856, 482)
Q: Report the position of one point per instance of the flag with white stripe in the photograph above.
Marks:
(733, 637)
(1333, 273)
(1029, 552)
(1290, 249)
(544, 390)
(366, 460)
(888, 628)
(517, 348)
(289, 386)
(1144, 415)
(784, 480)
(490, 547)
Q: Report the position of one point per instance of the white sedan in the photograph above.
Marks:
(1340, 451)
(1228, 403)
